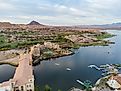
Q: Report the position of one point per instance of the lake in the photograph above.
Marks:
(55, 74)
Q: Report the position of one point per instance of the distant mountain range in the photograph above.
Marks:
(31, 23)
(35, 24)
(113, 25)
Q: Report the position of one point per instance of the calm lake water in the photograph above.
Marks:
(56, 76)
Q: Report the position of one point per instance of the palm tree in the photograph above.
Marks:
(87, 85)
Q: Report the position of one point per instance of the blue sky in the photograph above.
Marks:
(61, 12)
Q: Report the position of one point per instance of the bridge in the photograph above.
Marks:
(23, 79)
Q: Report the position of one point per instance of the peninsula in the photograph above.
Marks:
(48, 41)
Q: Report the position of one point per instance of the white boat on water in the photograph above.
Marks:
(75, 89)
(68, 69)
(57, 64)
(80, 82)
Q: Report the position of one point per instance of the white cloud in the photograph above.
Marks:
(105, 7)
(61, 12)
(6, 6)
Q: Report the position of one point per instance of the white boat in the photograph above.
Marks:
(80, 82)
(57, 64)
(75, 89)
(68, 69)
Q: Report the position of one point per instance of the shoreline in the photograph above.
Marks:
(38, 60)
(9, 63)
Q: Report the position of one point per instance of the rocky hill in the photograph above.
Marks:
(5, 24)
(35, 23)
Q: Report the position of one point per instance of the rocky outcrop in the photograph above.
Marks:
(35, 50)
(51, 45)
(35, 23)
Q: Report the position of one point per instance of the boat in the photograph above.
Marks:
(80, 82)
(57, 64)
(75, 89)
(68, 69)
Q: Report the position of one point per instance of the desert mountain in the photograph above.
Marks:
(5, 24)
(35, 23)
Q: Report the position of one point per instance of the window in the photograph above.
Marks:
(22, 88)
(16, 89)
(29, 90)
(29, 85)
(30, 80)
(12, 84)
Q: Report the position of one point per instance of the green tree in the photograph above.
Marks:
(88, 85)
(37, 88)
(59, 90)
(47, 88)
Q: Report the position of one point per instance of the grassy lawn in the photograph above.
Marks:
(103, 36)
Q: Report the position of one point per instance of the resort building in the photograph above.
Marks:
(51, 45)
(23, 79)
(115, 82)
